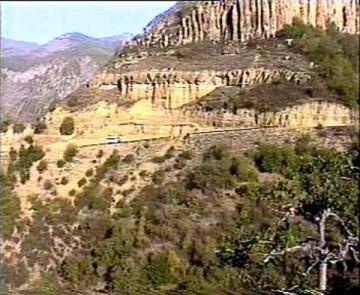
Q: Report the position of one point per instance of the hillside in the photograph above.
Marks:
(236, 170)
(34, 76)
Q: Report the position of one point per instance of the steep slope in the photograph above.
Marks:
(33, 76)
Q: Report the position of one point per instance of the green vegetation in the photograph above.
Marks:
(60, 163)
(48, 185)
(9, 207)
(29, 139)
(4, 125)
(64, 181)
(336, 53)
(70, 152)
(42, 166)
(39, 127)
(204, 232)
(81, 182)
(18, 128)
(67, 126)
(22, 160)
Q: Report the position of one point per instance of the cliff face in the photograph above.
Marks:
(241, 20)
(310, 114)
(171, 89)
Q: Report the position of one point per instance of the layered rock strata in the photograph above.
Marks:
(309, 114)
(241, 20)
(172, 89)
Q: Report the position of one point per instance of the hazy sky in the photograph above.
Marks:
(36, 21)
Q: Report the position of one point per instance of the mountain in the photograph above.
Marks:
(33, 75)
(236, 171)
(13, 48)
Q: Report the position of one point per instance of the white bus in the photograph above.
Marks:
(112, 139)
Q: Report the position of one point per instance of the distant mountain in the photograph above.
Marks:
(12, 47)
(33, 75)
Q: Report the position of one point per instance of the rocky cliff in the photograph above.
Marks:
(241, 20)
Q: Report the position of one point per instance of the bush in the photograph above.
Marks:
(187, 155)
(158, 159)
(60, 163)
(272, 158)
(42, 166)
(122, 180)
(4, 126)
(72, 193)
(100, 154)
(129, 159)
(29, 139)
(47, 185)
(143, 173)
(18, 128)
(70, 153)
(215, 152)
(89, 172)
(67, 126)
(23, 160)
(112, 162)
(72, 102)
(64, 181)
(158, 177)
(40, 127)
(243, 169)
(169, 153)
(81, 182)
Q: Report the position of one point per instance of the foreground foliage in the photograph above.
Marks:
(216, 230)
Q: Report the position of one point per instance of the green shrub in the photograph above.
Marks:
(81, 182)
(18, 128)
(72, 102)
(4, 126)
(169, 153)
(129, 159)
(60, 163)
(39, 127)
(158, 159)
(29, 139)
(243, 169)
(100, 154)
(67, 126)
(47, 185)
(158, 177)
(9, 207)
(278, 159)
(42, 166)
(143, 173)
(64, 181)
(187, 155)
(89, 172)
(72, 192)
(122, 180)
(215, 152)
(70, 153)
(23, 160)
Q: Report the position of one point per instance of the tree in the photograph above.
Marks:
(67, 126)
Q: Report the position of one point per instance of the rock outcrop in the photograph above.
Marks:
(310, 114)
(171, 89)
(241, 20)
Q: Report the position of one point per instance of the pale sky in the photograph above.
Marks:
(40, 22)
